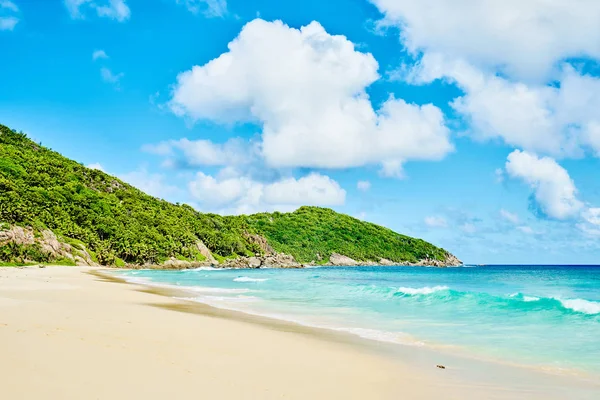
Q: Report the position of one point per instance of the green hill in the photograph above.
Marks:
(53, 209)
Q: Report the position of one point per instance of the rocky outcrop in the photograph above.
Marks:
(173, 263)
(278, 260)
(452, 261)
(17, 235)
(261, 242)
(48, 243)
(339, 260)
(206, 252)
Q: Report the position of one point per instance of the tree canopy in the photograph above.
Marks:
(120, 224)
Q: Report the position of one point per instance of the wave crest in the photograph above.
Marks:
(581, 305)
(248, 279)
(421, 291)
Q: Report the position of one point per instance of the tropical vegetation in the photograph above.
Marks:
(119, 224)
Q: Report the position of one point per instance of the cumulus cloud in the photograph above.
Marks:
(553, 189)
(509, 58)
(524, 39)
(243, 195)
(210, 8)
(307, 89)
(113, 9)
(559, 120)
(436, 221)
(363, 186)
(98, 54)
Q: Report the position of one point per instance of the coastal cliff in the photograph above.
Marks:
(55, 210)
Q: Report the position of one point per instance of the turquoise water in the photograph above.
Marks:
(541, 316)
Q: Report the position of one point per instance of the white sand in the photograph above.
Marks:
(66, 334)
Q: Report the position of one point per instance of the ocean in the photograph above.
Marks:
(544, 317)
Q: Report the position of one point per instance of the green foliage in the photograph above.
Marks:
(119, 225)
(312, 234)
(12, 252)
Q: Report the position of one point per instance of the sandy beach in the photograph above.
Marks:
(68, 333)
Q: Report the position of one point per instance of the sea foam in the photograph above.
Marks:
(423, 290)
(196, 289)
(248, 279)
(581, 305)
(525, 298)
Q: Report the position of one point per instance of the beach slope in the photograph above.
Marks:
(66, 333)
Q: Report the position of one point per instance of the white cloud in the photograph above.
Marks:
(73, 7)
(510, 217)
(499, 175)
(116, 9)
(8, 19)
(113, 9)
(308, 91)
(363, 186)
(97, 166)
(436, 222)
(314, 189)
(153, 184)
(234, 152)
(242, 195)
(554, 190)
(9, 5)
(509, 58)
(97, 54)
(560, 120)
(8, 23)
(592, 216)
(210, 8)
(523, 38)
(590, 229)
(109, 77)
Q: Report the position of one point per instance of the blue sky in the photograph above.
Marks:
(473, 125)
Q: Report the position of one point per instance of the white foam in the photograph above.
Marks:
(207, 269)
(238, 303)
(197, 289)
(423, 290)
(248, 279)
(219, 301)
(526, 299)
(215, 290)
(581, 305)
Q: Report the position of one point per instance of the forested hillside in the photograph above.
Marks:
(117, 224)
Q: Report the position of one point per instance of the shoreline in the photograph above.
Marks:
(124, 333)
(438, 352)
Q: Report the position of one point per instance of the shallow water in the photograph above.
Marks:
(541, 316)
